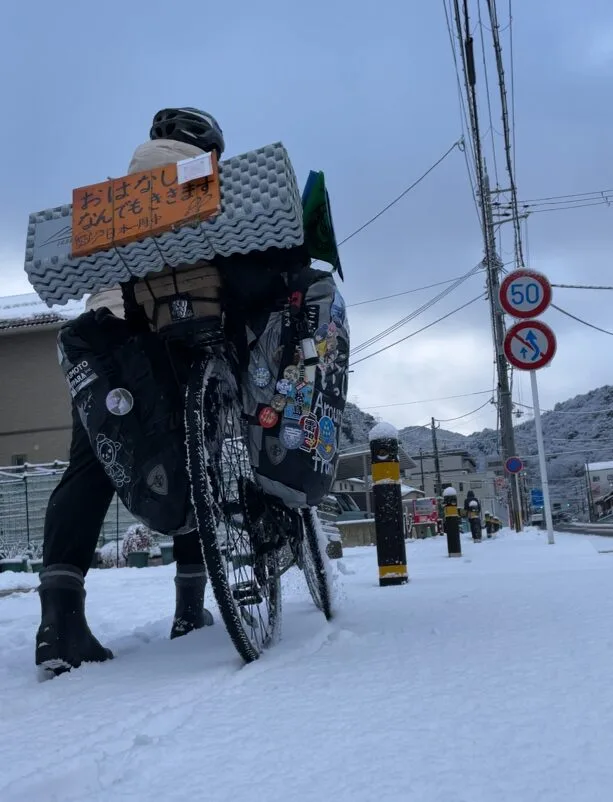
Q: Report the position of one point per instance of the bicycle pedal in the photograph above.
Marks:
(246, 593)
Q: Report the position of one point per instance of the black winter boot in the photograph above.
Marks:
(64, 640)
(190, 612)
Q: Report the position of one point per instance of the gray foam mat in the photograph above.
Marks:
(260, 208)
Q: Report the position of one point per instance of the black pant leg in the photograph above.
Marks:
(77, 506)
(186, 549)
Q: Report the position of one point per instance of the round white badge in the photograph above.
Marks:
(119, 401)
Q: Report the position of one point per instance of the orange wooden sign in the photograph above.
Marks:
(122, 210)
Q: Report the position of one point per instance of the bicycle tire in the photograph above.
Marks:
(212, 402)
(314, 564)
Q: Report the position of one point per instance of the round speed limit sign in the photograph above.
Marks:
(525, 294)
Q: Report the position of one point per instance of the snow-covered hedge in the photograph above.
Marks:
(138, 538)
(108, 556)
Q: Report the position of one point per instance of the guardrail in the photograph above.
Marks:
(604, 530)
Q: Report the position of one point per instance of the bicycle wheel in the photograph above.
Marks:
(314, 561)
(241, 562)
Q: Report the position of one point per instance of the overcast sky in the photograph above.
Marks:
(367, 93)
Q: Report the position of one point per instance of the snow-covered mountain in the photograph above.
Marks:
(575, 432)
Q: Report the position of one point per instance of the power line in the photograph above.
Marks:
(459, 417)
(580, 320)
(487, 92)
(566, 208)
(428, 400)
(568, 412)
(404, 320)
(583, 286)
(512, 63)
(455, 145)
(404, 292)
(419, 331)
(571, 195)
(466, 128)
(491, 5)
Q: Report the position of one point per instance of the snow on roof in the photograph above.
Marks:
(381, 430)
(600, 466)
(28, 310)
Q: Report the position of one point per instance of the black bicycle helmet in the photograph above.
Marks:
(189, 125)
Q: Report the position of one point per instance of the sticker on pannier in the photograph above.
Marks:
(296, 414)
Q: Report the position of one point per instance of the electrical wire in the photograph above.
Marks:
(487, 92)
(570, 195)
(423, 308)
(419, 331)
(428, 400)
(459, 417)
(491, 5)
(580, 320)
(566, 208)
(404, 292)
(457, 144)
(583, 286)
(512, 64)
(470, 166)
(569, 412)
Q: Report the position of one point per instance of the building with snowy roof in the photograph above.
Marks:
(35, 419)
(599, 480)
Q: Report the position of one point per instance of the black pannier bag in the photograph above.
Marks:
(131, 407)
(295, 389)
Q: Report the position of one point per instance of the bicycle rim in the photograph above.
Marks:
(244, 578)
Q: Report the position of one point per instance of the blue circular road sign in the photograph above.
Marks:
(514, 465)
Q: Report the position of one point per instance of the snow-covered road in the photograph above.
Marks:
(485, 679)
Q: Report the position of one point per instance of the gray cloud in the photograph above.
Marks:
(369, 97)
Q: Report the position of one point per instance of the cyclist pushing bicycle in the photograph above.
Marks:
(209, 395)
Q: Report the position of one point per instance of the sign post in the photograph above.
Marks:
(530, 345)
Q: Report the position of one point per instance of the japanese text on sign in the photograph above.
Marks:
(126, 209)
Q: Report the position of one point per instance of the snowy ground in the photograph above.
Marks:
(486, 679)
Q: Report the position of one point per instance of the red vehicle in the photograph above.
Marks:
(425, 511)
(426, 514)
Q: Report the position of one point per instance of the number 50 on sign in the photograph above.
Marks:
(525, 294)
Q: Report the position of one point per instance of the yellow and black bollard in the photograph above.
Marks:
(389, 522)
(452, 522)
(489, 523)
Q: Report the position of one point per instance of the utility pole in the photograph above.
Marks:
(492, 261)
(493, 265)
(437, 464)
(421, 462)
(590, 497)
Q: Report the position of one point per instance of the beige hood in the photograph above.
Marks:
(151, 154)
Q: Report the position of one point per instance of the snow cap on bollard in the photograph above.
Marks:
(383, 431)
(449, 491)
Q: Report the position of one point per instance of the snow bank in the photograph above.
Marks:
(485, 679)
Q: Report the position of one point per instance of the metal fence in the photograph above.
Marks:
(24, 495)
